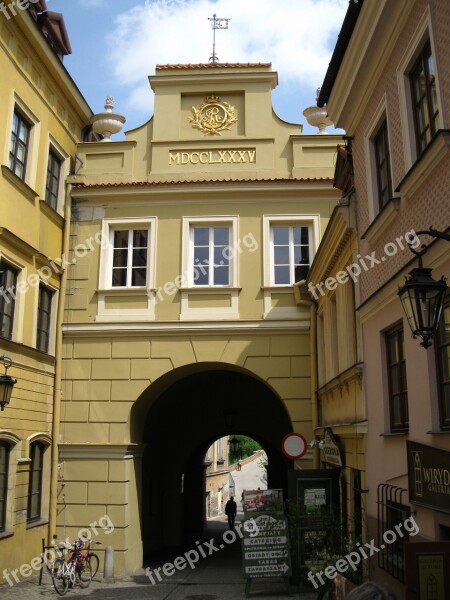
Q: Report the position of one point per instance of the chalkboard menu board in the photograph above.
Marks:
(265, 545)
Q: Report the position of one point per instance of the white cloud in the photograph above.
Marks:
(296, 36)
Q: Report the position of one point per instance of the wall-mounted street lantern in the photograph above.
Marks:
(6, 383)
(422, 296)
(317, 444)
(234, 444)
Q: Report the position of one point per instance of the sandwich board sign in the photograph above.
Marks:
(265, 544)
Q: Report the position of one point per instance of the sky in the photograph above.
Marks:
(116, 45)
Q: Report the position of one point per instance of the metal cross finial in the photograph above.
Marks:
(216, 23)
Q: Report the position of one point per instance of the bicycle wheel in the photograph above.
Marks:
(59, 579)
(94, 562)
(84, 573)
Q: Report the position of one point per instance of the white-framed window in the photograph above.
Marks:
(290, 242)
(57, 169)
(129, 257)
(128, 254)
(21, 151)
(290, 252)
(38, 446)
(13, 281)
(10, 452)
(420, 95)
(209, 254)
(45, 318)
(8, 284)
(210, 251)
(20, 141)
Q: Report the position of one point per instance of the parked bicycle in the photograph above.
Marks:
(91, 559)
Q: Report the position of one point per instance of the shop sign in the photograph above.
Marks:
(331, 452)
(267, 553)
(429, 476)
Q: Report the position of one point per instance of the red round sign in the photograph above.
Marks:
(294, 445)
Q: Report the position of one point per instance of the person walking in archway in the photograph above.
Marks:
(230, 511)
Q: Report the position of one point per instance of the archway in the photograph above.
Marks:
(177, 418)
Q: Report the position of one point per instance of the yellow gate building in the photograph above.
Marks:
(184, 318)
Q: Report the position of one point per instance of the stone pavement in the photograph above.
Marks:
(216, 577)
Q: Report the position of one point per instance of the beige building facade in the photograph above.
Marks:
(218, 489)
(390, 91)
(42, 118)
(182, 324)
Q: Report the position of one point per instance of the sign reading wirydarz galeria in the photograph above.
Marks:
(429, 476)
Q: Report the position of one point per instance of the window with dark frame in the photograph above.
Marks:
(35, 484)
(383, 165)
(392, 514)
(130, 256)
(20, 140)
(4, 462)
(394, 561)
(44, 318)
(53, 178)
(8, 281)
(398, 392)
(424, 95)
(442, 348)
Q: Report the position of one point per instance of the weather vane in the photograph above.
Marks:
(216, 24)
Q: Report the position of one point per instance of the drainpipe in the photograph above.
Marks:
(300, 300)
(58, 369)
(314, 385)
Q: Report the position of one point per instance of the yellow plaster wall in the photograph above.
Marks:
(30, 232)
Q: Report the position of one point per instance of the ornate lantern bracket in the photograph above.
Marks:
(422, 296)
(6, 383)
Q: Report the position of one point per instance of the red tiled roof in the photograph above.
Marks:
(211, 66)
(184, 182)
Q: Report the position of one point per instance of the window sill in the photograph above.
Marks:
(213, 289)
(278, 288)
(439, 432)
(436, 150)
(37, 523)
(120, 291)
(384, 218)
(6, 534)
(23, 187)
(51, 213)
(394, 433)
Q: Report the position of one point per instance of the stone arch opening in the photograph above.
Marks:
(176, 419)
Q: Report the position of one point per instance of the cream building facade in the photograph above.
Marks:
(218, 488)
(182, 323)
(339, 413)
(390, 90)
(42, 118)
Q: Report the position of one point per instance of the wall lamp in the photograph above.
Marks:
(317, 444)
(234, 443)
(422, 296)
(6, 383)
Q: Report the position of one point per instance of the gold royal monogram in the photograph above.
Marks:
(213, 116)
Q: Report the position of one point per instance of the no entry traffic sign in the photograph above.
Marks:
(294, 445)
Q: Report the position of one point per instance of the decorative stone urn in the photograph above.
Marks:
(107, 123)
(318, 117)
